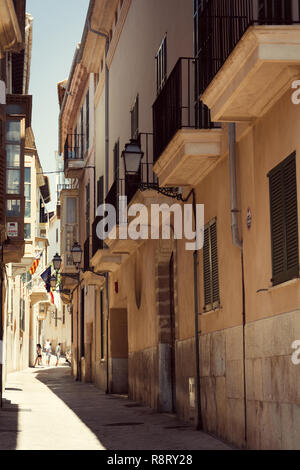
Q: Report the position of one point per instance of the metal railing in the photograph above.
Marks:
(177, 106)
(221, 24)
(73, 149)
(128, 185)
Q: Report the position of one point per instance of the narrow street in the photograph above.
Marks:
(45, 409)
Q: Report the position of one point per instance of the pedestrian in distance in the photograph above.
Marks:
(48, 353)
(58, 353)
(38, 359)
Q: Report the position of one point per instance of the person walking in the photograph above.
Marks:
(38, 359)
(48, 352)
(58, 353)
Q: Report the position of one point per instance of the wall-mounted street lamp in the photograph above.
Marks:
(133, 155)
(76, 253)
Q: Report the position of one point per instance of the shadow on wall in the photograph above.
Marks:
(9, 414)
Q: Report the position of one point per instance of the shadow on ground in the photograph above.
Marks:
(119, 423)
(9, 414)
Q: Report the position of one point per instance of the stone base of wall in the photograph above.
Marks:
(273, 383)
(118, 376)
(143, 377)
(185, 369)
(222, 385)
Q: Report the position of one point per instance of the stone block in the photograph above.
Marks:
(218, 354)
(204, 345)
(236, 421)
(234, 379)
(234, 343)
(271, 426)
(254, 418)
(221, 402)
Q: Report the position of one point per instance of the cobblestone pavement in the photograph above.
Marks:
(45, 409)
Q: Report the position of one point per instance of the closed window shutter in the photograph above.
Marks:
(210, 266)
(206, 268)
(284, 221)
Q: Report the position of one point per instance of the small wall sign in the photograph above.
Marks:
(12, 229)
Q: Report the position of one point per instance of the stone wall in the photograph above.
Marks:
(222, 384)
(273, 383)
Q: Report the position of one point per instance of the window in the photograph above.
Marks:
(87, 120)
(135, 119)
(210, 267)
(27, 191)
(64, 315)
(161, 65)
(88, 209)
(284, 221)
(70, 228)
(27, 231)
(13, 157)
(13, 208)
(57, 235)
(102, 323)
(43, 213)
(81, 136)
(117, 161)
(22, 314)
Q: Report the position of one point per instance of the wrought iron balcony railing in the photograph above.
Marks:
(176, 106)
(220, 25)
(74, 147)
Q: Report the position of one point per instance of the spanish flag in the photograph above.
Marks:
(34, 267)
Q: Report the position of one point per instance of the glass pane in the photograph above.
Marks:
(27, 175)
(13, 131)
(71, 210)
(13, 156)
(13, 181)
(27, 209)
(13, 208)
(27, 231)
(27, 191)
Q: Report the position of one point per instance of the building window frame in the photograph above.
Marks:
(161, 65)
(284, 226)
(211, 282)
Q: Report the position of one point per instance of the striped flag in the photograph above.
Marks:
(52, 297)
(34, 267)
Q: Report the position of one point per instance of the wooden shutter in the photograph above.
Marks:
(210, 266)
(284, 221)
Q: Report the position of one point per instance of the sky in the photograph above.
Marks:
(57, 29)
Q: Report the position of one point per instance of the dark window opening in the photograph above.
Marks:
(135, 119)
(161, 65)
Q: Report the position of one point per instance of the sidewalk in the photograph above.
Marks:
(45, 409)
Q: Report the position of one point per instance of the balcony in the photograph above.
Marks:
(187, 144)
(249, 57)
(74, 155)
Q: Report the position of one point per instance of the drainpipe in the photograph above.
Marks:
(238, 243)
(105, 35)
(199, 423)
(233, 191)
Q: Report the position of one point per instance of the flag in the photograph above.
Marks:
(46, 278)
(34, 267)
(52, 297)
